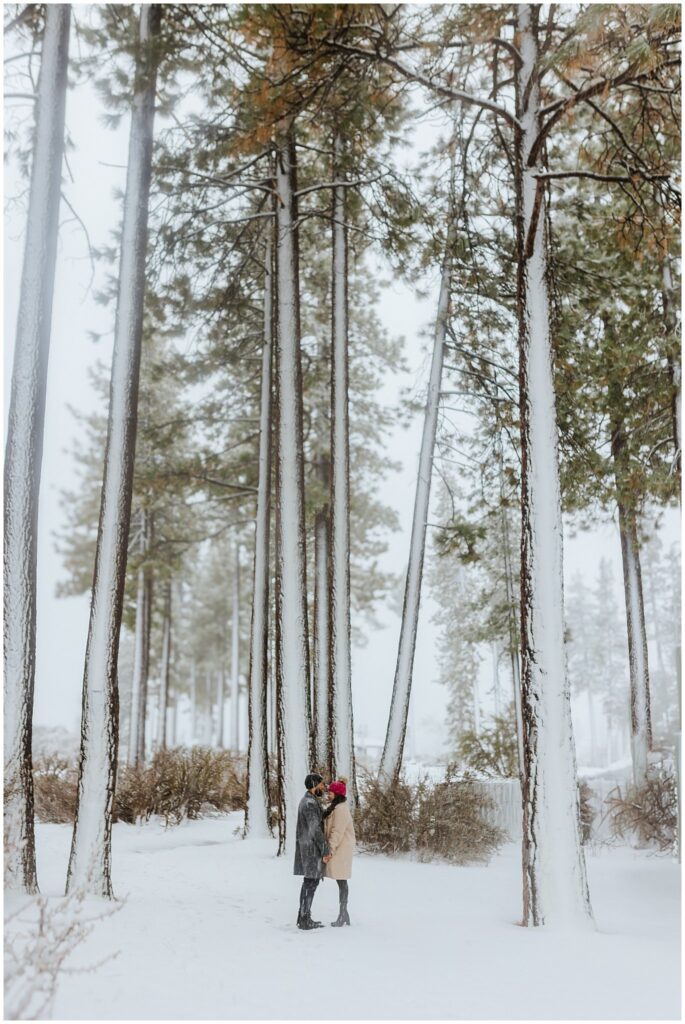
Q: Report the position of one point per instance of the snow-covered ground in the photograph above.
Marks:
(207, 931)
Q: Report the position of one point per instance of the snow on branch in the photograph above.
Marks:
(438, 87)
(339, 184)
(635, 175)
(555, 111)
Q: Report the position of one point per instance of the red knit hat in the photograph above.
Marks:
(338, 787)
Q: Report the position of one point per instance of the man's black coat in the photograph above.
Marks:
(310, 843)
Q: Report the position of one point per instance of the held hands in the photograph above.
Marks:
(327, 858)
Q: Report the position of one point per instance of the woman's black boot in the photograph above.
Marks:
(343, 916)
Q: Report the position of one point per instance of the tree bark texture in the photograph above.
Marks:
(258, 810)
(89, 862)
(165, 669)
(193, 704)
(555, 886)
(322, 672)
(341, 721)
(220, 698)
(141, 660)
(24, 448)
(638, 658)
(670, 301)
(292, 636)
(391, 761)
(512, 624)
(235, 655)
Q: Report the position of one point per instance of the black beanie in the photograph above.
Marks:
(312, 780)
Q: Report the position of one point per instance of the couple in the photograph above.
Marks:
(324, 845)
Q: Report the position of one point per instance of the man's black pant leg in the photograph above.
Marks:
(307, 895)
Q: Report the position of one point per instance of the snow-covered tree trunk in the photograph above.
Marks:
(258, 810)
(24, 448)
(638, 659)
(173, 724)
(555, 887)
(476, 704)
(640, 704)
(235, 655)
(208, 726)
(89, 862)
(143, 706)
(511, 613)
(136, 736)
(656, 619)
(594, 759)
(494, 652)
(164, 670)
(220, 697)
(391, 761)
(670, 301)
(341, 724)
(292, 635)
(321, 689)
(193, 703)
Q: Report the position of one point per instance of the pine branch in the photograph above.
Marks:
(555, 111)
(339, 184)
(438, 87)
(628, 179)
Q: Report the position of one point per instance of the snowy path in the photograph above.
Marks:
(208, 932)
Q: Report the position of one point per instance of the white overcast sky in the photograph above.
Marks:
(96, 166)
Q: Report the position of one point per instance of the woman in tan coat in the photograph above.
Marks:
(340, 837)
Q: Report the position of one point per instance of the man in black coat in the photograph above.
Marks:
(311, 849)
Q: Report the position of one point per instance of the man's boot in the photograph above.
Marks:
(304, 918)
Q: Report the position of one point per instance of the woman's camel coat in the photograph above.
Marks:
(340, 838)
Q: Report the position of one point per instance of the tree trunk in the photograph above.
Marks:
(220, 698)
(391, 761)
(494, 651)
(235, 656)
(164, 671)
(208, 727)
(656, 618)
(173, 722)
(674, 365)
(24, 448)
(136, 737)
(322, 688)
(476, 704)
(193, 704)
(554, 878)
(342, 731)
(149, 590)
(89, 862)
(594, 760)
(638, 659)
(511, 615)
(258, 811)
(291, 608)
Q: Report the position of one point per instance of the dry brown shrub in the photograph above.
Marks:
(441, 821)
(385, 817)
(54, 789)
(181, 784)
(451, 821)
(648, 812)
